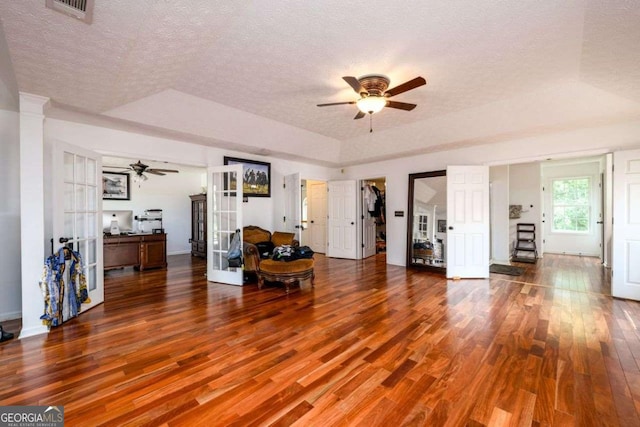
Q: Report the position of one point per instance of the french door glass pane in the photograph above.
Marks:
(91, 172)
(91, 252)
(81, 169)
(91, 225)
(68, 167)
(69, 197)
(81, 231)
(81, 197)
(92, 203)
(68, 224)
(91, 278)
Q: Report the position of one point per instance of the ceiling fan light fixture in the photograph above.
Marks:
(371, 104)
(139, 177)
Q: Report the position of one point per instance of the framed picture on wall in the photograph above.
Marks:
(256, 176)
(115, 186)
(442, 226)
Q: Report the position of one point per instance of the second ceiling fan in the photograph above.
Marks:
(140, 169)
(374, 95)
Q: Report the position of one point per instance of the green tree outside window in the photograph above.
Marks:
(571, 204)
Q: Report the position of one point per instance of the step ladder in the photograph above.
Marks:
(525, 249)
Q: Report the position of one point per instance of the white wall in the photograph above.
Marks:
(171, 194)
(500, 250)
(10, 258)
(10, 288)
(524, 189)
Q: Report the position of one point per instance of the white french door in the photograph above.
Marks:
(77, 211)
(468, 221)
(292, 204)
(342, 205)
(224, 217)
(625, 281)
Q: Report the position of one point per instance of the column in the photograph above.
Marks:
(32, 236)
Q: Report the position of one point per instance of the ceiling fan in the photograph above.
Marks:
(374, 95)
(140, 169)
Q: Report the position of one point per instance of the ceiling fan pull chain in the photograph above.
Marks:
(370, 123)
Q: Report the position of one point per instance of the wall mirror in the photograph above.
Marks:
(427, 221)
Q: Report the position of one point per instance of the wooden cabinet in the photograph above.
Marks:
(121, 251)
(153, 251)
(198, 225)
(141, 251)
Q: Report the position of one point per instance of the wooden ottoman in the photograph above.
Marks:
(285, 272)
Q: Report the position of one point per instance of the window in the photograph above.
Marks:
(571, 205)
(422, 225)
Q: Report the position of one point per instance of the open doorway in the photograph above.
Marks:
(568, 202)
(374, 229)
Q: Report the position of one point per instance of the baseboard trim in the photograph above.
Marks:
(33, 331)
(11, 315)
(178, 252)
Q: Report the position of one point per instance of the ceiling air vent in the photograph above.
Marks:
(80, 9)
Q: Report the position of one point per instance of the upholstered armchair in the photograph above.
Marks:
(263, 241)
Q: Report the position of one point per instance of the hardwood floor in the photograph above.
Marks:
(371, 344)
(576, 273)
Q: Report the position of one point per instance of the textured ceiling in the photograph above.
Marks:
(277, 60)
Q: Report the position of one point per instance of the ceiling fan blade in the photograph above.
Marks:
(411, 84)
(154, 171)
(336, 103)
(359, 115)
(401, 105)
(355, 84)
(162, 170)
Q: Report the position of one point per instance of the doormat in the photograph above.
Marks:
(506, 269)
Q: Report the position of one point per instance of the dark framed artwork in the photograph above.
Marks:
(442, 226)
(256, 176)
(115, 186)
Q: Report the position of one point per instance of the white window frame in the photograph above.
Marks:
(589, 205)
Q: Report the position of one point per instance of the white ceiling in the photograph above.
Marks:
(493, 68)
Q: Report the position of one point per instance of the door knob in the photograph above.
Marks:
(352, 222)
(312, 222)
(451, 227)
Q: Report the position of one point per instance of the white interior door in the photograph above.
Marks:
(317, 215)
(468, 221)
(77, 211)
(368, 226)
(342, 205)
(292, 204)
(224, 217)
(625, 282)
